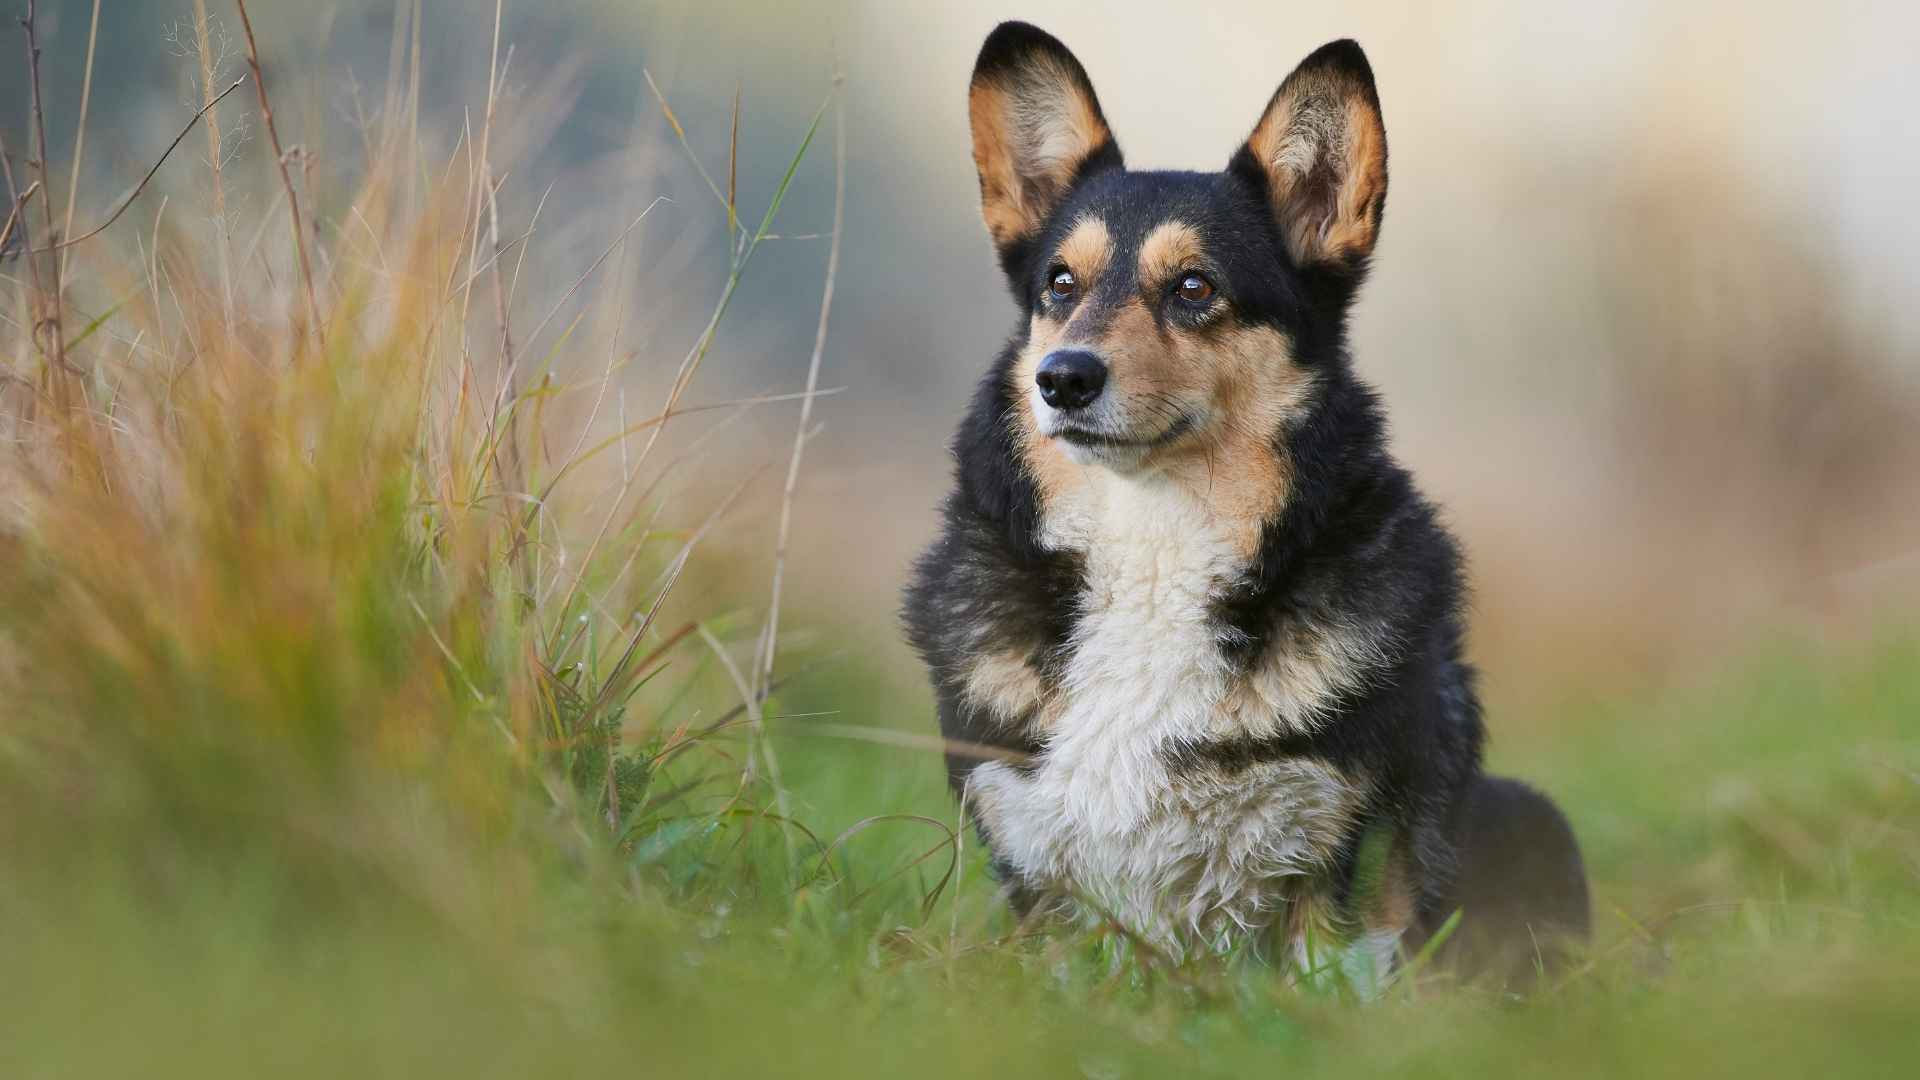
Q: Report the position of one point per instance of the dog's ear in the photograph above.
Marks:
(1037, 128)
(1320, 152)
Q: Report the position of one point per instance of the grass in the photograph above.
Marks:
(358, 720)
(391, 941)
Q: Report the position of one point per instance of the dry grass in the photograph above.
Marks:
(339, 517)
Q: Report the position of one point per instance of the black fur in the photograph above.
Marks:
(1355, 542)
(1520, 886)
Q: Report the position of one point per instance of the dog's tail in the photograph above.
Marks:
(1521, 889)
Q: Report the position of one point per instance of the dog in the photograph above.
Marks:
(1196, 639)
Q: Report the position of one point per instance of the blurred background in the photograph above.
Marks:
(1642, 312)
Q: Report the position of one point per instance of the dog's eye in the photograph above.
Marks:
(1195, 289)
(1062, 285)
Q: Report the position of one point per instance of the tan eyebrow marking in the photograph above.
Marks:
(1087, 249)
(1171, 247)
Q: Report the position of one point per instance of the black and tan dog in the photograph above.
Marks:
(1196, 638)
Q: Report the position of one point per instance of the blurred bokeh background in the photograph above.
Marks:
(1643, 310)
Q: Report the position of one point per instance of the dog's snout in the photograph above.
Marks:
(1070, 379)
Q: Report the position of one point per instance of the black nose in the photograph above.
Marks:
(1070, 379)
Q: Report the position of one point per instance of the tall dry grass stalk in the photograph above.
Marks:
(209, 62)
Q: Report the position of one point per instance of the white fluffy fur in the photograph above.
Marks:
(1198, 859)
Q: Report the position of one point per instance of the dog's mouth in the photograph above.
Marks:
(1100, 440)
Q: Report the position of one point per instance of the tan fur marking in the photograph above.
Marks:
(1392, 910)
(1381, 925)
(1087, 250)
(1299, 677)
(1170, 248)
(1313, 919)
(1328, 951)
(1005, 685)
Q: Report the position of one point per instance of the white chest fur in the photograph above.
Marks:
(1187, 857)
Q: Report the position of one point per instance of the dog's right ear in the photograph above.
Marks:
(1037, 128)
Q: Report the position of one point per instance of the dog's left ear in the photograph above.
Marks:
(1320, 153)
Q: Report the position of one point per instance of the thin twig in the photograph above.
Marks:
(511, 474)
(690, 364)
(588, 272)
(223, 239)
(520, 260)
(681, 134)
(286, 178)
(490, 189)
(52, 293)
(628, 476)
(620, 666)
(683, 738)
(914, 741)
(756, 719)
(764, 677)
(80, 131)
(613, 730)
(127, 201)
(18, 200)
(733, 168)
(6, 231)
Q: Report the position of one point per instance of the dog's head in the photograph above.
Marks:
(1171, 313)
